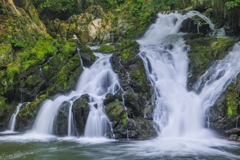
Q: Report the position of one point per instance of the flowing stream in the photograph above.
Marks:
(179, 114)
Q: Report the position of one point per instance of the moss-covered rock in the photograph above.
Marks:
(87, 56)
(27, 114)
(117, 115)
(203, 51)
(107, 48)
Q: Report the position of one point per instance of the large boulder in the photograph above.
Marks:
(61, 120)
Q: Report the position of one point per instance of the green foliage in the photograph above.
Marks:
(135, 9)
(56, 5)
(17, 43)
(105, 3)
(232, 4)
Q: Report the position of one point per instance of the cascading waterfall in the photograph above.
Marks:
(96, 81)
(12, 122)
(179, 112)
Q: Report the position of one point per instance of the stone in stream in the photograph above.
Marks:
(195, 24)
(61, 120)
(80, 111)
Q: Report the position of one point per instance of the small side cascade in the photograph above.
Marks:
(12, 122)
(51, 57)
(78, 51)
(41, 72)
(123, 101)
(70, 119)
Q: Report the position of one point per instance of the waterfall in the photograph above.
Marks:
(96, 81)
(12, 122)
(179, 112)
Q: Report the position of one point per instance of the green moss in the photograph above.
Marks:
(232, 101)
(88, 53)
(11, 71)
(107, 48)
(139, 75)
(130, 48)
(29, 63)
(74, 62)
(68, 50)
(203, 51)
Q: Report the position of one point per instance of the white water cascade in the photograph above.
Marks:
(179, 112)
(96, 81)
(12, 122)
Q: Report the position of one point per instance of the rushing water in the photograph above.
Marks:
(178, 114)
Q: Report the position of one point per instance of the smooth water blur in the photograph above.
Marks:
(96, 81)
(101, 148)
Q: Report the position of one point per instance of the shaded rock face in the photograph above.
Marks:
(195, 25)
(140, 128)
(132, 76)
(135, 93)
(134, 128)
(92, 27)
(80, 111)
(61, 120)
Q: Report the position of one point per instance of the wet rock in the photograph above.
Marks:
(80, 111)
(232, 131)
(61, 120)
(140, 128)
(87, 56)
(195, 24)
